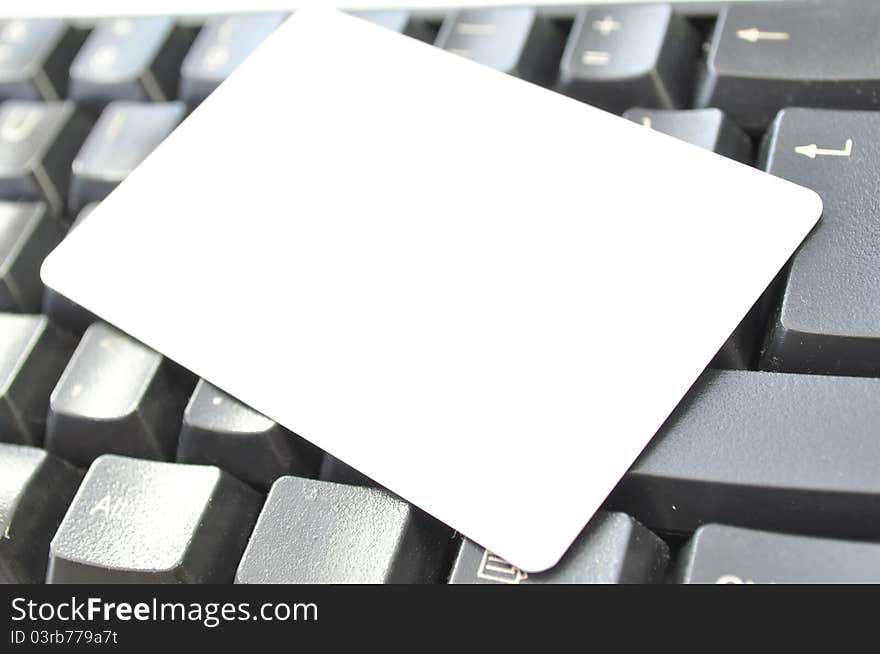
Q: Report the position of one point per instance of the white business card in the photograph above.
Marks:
(483, 295)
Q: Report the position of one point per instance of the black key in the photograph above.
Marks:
(332, 469)
(517, 41)
(708, 128)
(401, 21)
(623, 57)
(116, 396)
(727, 555)
(35, 491)
(764, 58)
(612, 549)
(829, 319)
(129, 59)
(124, 135)
(320, 532)
(222, 44)
(776, 451)
(60, 309)
(27, 235)
(219, 430)
(34, 56)
(136, 521)
(38, 141)
(33, 353)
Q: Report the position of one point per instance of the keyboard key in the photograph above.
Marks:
(27, 235)
(624, 57)
(320, 532)
(67, 313)
(116, 396)
(708, 128)
(775, 451)
(332, 469)
(517, 41)
(129, 59)
(612, 549)
(829, 319)
(38, 141)
(33, 353)
(35, 491)
(401, 21)
(126, 132)
(764, 58)
(136, 521)
(34, 55)
(727, 555)
(219, 430)
(222, 44)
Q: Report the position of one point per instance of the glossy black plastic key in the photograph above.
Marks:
(829, 318)
(33, 353)
(135, 521)
(116, 396)
(776, 451)
(125, 133)
(622, 57)
(765, 57)
(612, 549)
(221, 45)
(320, 532)
(38, 141)
(518, 41)
(710, 129)
(35, 490)
(129, 59)
(27, 234)
(34, 57)
(719, 554)
(219, 430)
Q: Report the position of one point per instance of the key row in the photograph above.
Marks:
(111, 394)
(759, 58)
(52, 153)
(798, 447)
(135, 521)
(822, 314)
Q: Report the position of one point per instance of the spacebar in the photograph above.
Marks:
(774, 451)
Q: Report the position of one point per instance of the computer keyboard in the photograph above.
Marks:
(117, 465)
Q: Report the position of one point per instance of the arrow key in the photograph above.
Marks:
(764, 58)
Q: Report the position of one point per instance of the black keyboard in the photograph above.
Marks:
(117, 465)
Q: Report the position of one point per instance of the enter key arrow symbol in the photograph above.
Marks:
(812, 151)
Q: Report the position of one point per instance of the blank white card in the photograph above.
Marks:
(483, 295)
